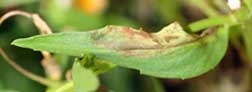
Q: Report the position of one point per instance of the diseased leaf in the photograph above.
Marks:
(170, 53)
(84, 79)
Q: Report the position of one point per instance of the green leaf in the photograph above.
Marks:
(170, 53)
(84, 79)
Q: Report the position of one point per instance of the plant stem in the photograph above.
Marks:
(26, 73)
(205, 23)
(13, 13)
(52, 70)
(205, 7)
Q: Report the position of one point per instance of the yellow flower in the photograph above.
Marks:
(91, 6)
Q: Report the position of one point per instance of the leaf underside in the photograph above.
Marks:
(170, 53)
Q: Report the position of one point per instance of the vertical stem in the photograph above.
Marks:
(205, 7)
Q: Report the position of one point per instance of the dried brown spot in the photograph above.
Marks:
(145, 34)
(168, 38)
(127, 31)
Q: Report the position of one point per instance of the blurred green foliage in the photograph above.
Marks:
(8, 3)
(11, 79)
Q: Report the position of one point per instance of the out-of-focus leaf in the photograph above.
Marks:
(243, 14)
(62, 61)
(152, 85)
(248, 4)
(170, 53)
(1, 84)
(61, 16)
(7, 3)
(84, 79)
(119, 80)
(2, 90)
(10, 78)
(204, 6)
(170, 10)
(221, 5)
(14, 80)
(247, 36)
(120, 20)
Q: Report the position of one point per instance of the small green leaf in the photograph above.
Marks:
(97, 66)
(170, 53)
(84, 79)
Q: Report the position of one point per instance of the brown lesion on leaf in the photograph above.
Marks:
(122, 38)
(168, 38)
(133, 42)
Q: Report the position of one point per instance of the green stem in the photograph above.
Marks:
(205, 7)
(205, 23)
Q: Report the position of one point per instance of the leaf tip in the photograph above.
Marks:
(17, 42)
(21, 43)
